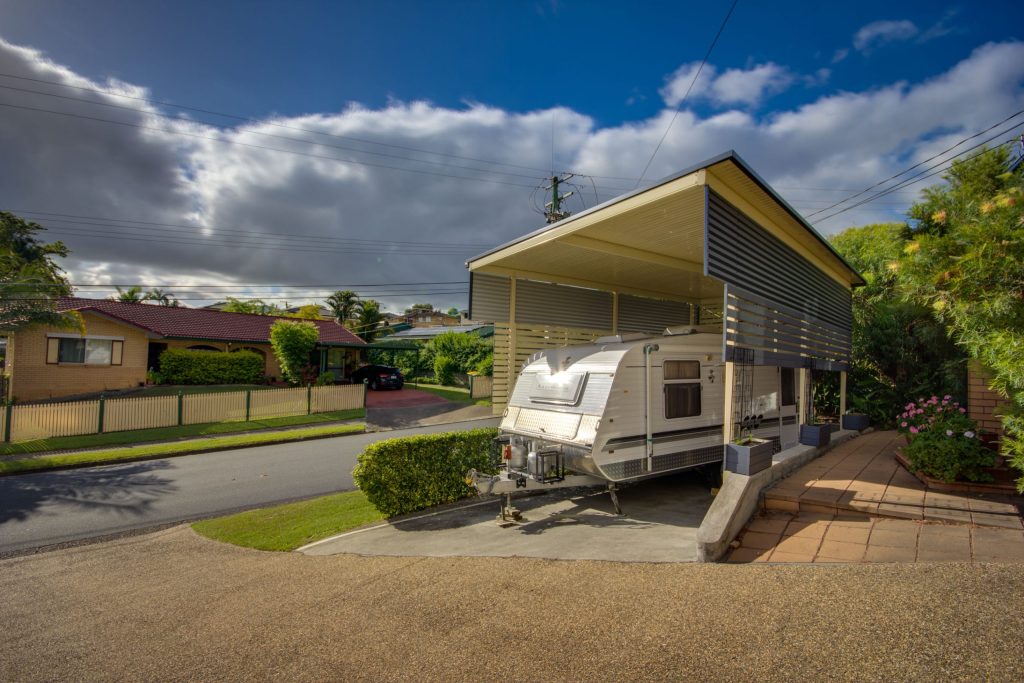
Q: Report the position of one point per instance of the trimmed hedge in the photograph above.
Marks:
(186, 366)
(416, 472)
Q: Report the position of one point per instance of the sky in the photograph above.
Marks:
(287, 149)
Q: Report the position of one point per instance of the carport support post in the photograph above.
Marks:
(842, 396)
(802, 396)
(615, 312)
(511, 335)
(728, 413)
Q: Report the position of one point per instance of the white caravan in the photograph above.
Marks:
(630, 407)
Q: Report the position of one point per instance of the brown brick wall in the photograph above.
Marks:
(32, 378)
(983, 403)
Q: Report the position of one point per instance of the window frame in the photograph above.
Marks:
(688, 381)
(54, 342)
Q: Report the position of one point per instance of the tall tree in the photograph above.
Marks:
(132, 295)
(369, 320)
(162, 297)
(965, 261)
(257, 306)
(31, 283)
(307, 312)
(342, 305)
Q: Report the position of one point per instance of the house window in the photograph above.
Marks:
(682, 388)
(84, 351)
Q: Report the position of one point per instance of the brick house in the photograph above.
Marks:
(422, 318)
(122, 341)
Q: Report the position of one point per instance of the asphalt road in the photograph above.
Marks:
(52, 508)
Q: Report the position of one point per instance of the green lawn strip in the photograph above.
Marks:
(451, 393)
(68, 443)
(290, 526)
(157, 450)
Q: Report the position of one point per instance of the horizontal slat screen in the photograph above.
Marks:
(489, 297)
(764, 333)
(545, 303)
(741, 253)
(651, 316)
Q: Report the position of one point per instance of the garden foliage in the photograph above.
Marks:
(943, 441)
(293, 342)
(408, 474)
(185, 366)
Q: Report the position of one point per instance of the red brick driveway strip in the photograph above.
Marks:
(401, 398)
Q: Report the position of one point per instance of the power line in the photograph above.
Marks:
(921, 163)
(254, 286)
(263, 147)
(688, 89)
(247, 119)
(945, 165)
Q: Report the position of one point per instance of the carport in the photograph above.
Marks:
(710, 245)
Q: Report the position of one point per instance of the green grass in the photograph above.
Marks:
(290, 526)
(102, 457)
(67, 443)
(450, 393)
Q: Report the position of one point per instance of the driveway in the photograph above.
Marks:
(407, 408)
(659, 524)
(172, 606)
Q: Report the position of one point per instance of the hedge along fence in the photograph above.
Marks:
(416, 472)
(186, 366)
(46, 420)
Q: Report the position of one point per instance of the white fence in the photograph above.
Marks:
(480, 386)
(46, 420)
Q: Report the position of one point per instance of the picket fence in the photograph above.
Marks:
(480, 386)
(74, 418)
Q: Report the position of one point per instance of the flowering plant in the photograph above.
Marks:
(943, 440)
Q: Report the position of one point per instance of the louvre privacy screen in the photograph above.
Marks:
(778, 306)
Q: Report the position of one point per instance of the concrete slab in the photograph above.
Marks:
(660, 524)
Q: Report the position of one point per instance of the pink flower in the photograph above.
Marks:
(949, 432)
(947, 397)
(935, 398)
(969, 435)
(913, 430)
(904, 414)
(945, 401)
(963, 410)
(903, 424)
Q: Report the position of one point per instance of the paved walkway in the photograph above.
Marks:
(863, 476)
(856, 503)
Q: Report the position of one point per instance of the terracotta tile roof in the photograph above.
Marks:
(201, 323)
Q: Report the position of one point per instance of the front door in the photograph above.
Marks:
(153, 360)
(789, 430)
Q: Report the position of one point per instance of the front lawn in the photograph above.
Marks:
(293, 525)
(158, 450)
(69, 443)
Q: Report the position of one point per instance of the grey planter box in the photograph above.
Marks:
(856, 422)
(749, 459)
(815, 435)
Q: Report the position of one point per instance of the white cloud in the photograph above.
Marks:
(878, 33)
(732, 86)
(74, 166)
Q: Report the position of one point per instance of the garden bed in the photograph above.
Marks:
(1004, 480)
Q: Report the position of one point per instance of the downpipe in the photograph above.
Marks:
(648, 416)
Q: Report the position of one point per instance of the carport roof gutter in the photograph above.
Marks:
(731, 155)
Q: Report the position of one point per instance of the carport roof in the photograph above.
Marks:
(628, 229)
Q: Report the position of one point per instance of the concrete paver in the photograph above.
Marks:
(175, 606)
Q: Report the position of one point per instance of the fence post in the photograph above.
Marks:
(365, 384)
(103, 400)
(248, 403)
(8, 411)
(309, 399)
(181, 406)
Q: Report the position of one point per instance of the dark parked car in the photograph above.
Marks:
(379, 377)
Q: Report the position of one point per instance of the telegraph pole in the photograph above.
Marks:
(553, 209)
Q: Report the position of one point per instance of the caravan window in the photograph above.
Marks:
(682, 388)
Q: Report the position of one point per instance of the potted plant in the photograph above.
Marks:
(856, 421)
(748, 455)
(816, 435)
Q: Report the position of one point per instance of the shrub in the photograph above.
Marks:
(412, 473)
(944, 442)
(185, 366)
(292, 343)
(444, 370)
(486, 366)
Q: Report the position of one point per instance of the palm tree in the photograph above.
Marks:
(369, 319)
(161, 297)
(132, 295)
(343, 305)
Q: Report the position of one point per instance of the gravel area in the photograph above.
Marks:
(174, 606)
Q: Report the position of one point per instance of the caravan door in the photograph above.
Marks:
(789, 430)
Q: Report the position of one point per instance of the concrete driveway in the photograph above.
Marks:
(659, 525)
